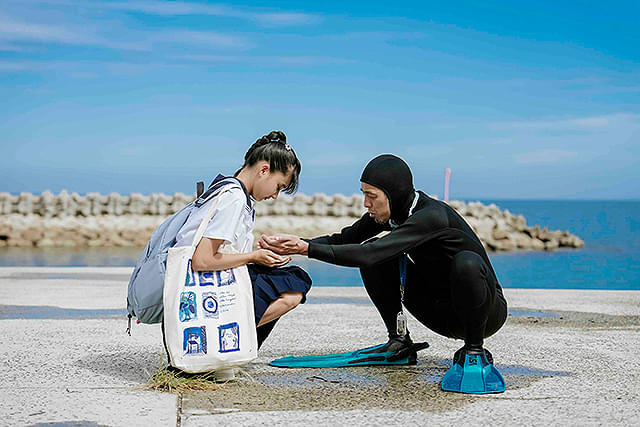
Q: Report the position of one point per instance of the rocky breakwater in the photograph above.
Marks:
(114, 220)
(500, 230)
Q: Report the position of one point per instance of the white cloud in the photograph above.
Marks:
(588, 122)
(84, 69)
(207, 58)
(16, 31)
(202, 38)
(305, 60)
(178, 8)
(21, 31)
(592, 123)
(545, 156)
(284, 18)
(271, 60)
(165, 8)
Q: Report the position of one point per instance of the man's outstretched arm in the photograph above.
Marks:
(417, 230)
(357, 232)
(287, 244)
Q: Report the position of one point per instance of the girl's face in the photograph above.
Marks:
(268, 184)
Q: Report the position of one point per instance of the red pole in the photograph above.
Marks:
(447, 178)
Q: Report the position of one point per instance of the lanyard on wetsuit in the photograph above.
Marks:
(403, 275)
(401, 318)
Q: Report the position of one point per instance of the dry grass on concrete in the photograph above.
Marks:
(177, 382)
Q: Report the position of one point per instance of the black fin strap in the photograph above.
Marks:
(407, 351)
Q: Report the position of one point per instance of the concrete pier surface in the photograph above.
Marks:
(569, 357)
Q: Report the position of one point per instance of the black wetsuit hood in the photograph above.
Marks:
(392, 175)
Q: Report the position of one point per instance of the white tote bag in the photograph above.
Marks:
(208, 316)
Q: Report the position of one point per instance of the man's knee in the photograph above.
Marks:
(467, 266)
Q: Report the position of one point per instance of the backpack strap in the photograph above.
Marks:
(216, 184)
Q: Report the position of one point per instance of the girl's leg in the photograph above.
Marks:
(276, 291)
(287, 302)
(264, 331)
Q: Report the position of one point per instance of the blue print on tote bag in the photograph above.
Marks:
(207, 278)
(226, 277)
(187, 306)
(195, 340)
(190, 280)
(210, 305)
(229, 337)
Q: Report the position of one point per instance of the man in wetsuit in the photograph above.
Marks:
(431, 261)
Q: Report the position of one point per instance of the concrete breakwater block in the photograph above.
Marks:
(114, 220)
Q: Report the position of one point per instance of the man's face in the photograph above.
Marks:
(376, 202)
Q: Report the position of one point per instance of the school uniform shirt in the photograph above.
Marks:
(232, 221)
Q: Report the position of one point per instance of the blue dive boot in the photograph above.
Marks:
(473, 372)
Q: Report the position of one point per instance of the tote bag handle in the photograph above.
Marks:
(207, 218)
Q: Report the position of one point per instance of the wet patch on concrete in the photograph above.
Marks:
(383, 387)
(528, 371)
(50, 312)
(67, 276)
(517, 376)
(531, 313)
(290, 378)
(570, 319)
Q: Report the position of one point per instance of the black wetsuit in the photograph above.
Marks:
(450, 286)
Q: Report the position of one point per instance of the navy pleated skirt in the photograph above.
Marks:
(268, 284)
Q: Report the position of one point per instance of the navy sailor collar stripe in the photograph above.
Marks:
(217, 183)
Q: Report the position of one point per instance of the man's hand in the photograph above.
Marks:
(284, 244)
(268, 258)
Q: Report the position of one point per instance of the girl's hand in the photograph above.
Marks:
(268, 258)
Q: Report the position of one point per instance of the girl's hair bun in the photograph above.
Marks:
(274, 149)
(273, 136)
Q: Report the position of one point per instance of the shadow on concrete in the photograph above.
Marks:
(135, 367)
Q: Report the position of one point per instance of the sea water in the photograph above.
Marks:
(609, 260)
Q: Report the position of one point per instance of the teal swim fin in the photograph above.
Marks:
(473, 372)
(383, 354)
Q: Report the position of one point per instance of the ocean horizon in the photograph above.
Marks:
(609, 260)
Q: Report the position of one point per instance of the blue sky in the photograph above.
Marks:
(527, 100)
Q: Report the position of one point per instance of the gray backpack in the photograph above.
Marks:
(146, 285)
